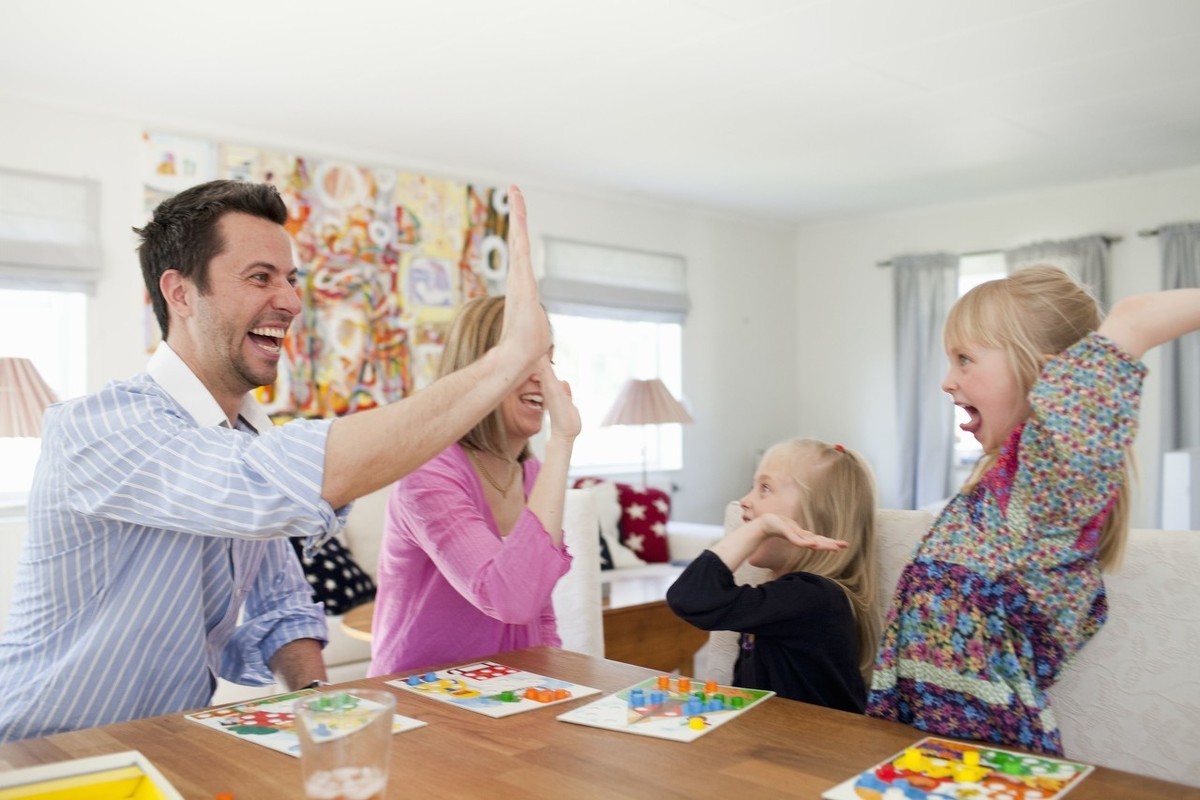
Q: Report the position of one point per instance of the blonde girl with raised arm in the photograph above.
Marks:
(1007, 585)
(809, 633)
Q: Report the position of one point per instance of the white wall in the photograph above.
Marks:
(740, 279)
(846, 377)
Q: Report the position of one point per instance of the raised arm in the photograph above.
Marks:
(1139, 323)
(740, 543)
(371, 449)
(548, 495)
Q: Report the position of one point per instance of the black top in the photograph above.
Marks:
(804, 642)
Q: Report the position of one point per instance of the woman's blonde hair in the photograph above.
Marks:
(1033, 315)
(837, 499)
(475, 330)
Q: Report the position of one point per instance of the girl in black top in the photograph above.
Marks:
(810, 633)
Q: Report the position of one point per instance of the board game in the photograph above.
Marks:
(270, 721)
(668, 707)
(496, 690)
(943, 769)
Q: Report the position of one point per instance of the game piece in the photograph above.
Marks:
(664, 682)
(270, 721)
(679, 714)
(944, 769)
(496, 690)
(710, 687)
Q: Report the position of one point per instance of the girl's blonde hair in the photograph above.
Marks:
(837, 499)
(1033, 315)
(475, 330)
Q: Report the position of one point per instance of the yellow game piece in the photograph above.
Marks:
(912, 760)
(970, 771)
(696, 723)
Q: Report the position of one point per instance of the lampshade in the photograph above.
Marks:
(23, 398)
(645, 403)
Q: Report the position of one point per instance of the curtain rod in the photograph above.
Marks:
(1107, 240)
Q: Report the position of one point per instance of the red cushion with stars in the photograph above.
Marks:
(644, 514)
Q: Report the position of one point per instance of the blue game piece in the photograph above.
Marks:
(657, 698)
(715, 705)
(692, 707)
(430, 677)
(636, 698)
(413, 680)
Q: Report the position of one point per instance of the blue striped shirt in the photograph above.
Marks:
(152, 526)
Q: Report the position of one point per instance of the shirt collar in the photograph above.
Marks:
(176, 378)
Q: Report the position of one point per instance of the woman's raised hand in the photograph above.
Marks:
(526, 328)
(556, 398)
(787, 528)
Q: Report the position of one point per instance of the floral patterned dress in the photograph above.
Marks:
(1006, 585)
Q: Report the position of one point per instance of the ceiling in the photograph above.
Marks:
(782, 109)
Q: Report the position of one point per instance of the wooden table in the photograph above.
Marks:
(779, 749)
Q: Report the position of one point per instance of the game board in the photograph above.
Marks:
(668, 707)
(269, 721)
(492, 689)
(943, 769)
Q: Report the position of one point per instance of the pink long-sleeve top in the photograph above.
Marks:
(450, 587)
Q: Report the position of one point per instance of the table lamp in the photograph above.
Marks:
(23, 398)
(645, 402)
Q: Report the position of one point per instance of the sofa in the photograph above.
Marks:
(1131, 699)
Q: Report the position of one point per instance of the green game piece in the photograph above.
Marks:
(507, 697)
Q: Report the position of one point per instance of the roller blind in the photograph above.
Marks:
(594, 280)
(49, 231)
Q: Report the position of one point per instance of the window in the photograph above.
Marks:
(596, 356)
(48, 328)
(617, 314)
(972, 271)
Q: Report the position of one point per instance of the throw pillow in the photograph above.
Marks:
(337, 581)
(644, 514)
(608, 509)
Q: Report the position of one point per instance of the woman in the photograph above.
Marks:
(472, 541)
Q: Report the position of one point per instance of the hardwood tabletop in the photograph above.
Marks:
(780, 748)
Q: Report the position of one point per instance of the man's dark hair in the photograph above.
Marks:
(183, 234)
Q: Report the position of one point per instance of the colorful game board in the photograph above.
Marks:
(668, 707)
(943, 769)
(270, 721)
(493, 689)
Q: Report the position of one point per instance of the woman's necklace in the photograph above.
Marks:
(487, 476)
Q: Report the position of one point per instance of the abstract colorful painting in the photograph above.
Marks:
(385, 259)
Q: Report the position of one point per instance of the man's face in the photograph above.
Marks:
(252, 298)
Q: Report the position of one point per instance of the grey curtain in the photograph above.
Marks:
(1086, 258)
(1179, 249)
(925, 286)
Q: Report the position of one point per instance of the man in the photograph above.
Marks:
(160, 506)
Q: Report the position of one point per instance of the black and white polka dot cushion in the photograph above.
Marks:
(337, 581)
